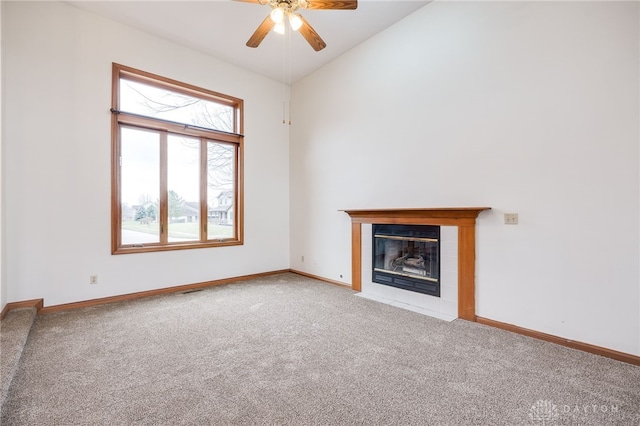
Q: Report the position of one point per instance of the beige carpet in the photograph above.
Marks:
(14, 331)
(287, 349)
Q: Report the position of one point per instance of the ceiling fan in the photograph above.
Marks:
(281, 9)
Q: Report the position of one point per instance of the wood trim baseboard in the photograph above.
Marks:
(585, 347)
(319, 278)
(148, 293)
(33, 303)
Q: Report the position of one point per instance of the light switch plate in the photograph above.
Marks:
(511, 218)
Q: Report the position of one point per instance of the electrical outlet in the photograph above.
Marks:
(93, 279)
(511, 218)
(302, 259)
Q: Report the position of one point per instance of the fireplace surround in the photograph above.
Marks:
(464, 218)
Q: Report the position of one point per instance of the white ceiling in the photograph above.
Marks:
(221, 28)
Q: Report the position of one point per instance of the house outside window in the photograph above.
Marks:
(223, 213)
(177, 155)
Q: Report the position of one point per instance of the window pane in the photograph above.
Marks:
(151, 101)
(220, 190)
(183, 185)
(140, 186)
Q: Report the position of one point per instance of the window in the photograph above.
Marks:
(176, 165)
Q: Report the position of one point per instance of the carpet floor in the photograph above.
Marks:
(290, 350)
(14, 330)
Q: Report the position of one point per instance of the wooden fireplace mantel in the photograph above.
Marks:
(462, 217)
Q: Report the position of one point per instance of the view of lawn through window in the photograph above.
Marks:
(177, 158)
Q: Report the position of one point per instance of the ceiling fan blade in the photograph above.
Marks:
(261, 32)
(311, 36)
(327, 4)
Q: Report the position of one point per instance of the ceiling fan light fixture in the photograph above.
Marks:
(277, 15)
(295, 21)
(279, 27)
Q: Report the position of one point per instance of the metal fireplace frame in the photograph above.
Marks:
(418, 267)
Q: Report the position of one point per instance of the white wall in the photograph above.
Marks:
(57, 87)
(3, 287)
(524, 107)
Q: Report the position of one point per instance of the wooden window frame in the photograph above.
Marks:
(135, 121)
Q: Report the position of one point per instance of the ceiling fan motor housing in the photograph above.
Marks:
(287, 5)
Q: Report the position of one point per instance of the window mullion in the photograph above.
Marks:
(164, 198)
(204, 205)
(174, 127)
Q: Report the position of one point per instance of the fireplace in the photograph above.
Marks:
(407, 257)
(462, 219)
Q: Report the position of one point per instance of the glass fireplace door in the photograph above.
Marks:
(408, 257)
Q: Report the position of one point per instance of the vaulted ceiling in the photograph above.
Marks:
(221, 28)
